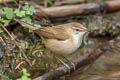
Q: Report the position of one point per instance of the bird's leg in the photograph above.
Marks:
(69, 61)
(66, 65)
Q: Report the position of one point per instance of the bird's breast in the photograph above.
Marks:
(63, 46)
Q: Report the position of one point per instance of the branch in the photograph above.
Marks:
(81, 62)
(69, 2)
(77, 10)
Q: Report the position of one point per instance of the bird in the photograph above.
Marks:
(61, 39)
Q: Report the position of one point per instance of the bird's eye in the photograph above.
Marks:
(77, 29)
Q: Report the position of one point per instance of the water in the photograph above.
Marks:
(106, 67)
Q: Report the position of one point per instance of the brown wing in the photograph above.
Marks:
(53, 32)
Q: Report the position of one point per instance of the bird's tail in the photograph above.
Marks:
(26, 24)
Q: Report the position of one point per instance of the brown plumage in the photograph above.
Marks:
(47, 32)
(54, 32)
(62, 39)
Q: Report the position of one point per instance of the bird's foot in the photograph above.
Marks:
(66, 65)
(72, 64)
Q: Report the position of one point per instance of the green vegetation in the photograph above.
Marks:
(24, 14)
(25, 75)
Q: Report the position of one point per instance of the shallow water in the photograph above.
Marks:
(106, 67)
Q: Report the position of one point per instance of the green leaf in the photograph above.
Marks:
(1, 11)
(25, 78)
(19, 13)
(1, 30)
(4, 20)
(26, 6)
(30, 10)
(27, 19)
(9, 12)
(25, 75)
(37, 25)
(25, 72)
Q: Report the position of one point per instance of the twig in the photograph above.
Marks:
(17, 44)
